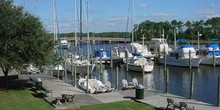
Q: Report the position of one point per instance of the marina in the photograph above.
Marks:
(205, 78)
(152, 97)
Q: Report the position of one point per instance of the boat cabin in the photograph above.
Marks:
(183, 52)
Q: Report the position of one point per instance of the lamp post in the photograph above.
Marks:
(198, 35)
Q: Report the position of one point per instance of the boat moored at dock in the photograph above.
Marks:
(184, 56)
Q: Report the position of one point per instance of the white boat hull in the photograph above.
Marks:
(80, 68)
(94, 85)
(139, 68)
(181, 62)
(209, 61)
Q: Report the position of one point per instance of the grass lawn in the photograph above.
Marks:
(19, 99)
(122, 105)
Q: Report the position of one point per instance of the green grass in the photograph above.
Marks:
(19, 99)
(122, 105)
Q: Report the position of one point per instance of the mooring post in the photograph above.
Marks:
(116, 78)
(213, 58)
(165, 60)
(111, 61)
(190, 65)
(72, 70)
(126, 56)
(218, 92)
(65, 72)
(167, 80)
(191, 84)
(100, 76)
(75, 74)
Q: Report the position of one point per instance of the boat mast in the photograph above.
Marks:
(54, 22)
(81, 27)
(132, 33)
(75, 25)
(87, 27)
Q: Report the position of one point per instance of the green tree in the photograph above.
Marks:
(23, 39)
(213, 26)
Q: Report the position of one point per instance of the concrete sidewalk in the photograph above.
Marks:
(81, 98)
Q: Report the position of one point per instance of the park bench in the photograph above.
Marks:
(64, 99)
(45, 90)
(31, 82)
(171, 104)
(68, 98)
(181, 105)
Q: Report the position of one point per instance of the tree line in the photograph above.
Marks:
(150, 29)
(189, 30)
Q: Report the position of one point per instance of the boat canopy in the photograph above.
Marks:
(104, 53)
(214, 46)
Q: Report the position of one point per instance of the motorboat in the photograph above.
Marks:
(64, 44)
(159, 46)
(210, 54)
(105, 56)
(32, 69)
(94, 85)
(139, 63)
(142, 50)
(181, 57)
(58, 70)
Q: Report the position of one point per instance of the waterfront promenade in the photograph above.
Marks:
(81, 98)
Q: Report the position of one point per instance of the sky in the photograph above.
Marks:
(116, 15)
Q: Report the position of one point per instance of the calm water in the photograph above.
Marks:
(205, 78)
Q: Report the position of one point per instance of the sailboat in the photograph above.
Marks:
(57, 69)
(81, 65)
(138, 62)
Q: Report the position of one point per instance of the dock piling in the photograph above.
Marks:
(100, 76)
(116, 78)
(191, 84)
(167, 80)
(111, 61)
(190, 63)
(214, 58)
(126, 56)
(218, 92)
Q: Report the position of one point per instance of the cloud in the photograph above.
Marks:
(158, 16)
(208, 6)
(206, 14)
(212, 5)
(142, 5)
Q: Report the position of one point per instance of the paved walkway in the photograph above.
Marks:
(160, 101)
(81, 98)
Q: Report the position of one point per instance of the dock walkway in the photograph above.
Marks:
(81, 98)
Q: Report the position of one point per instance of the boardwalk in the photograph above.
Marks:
(151, 97)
